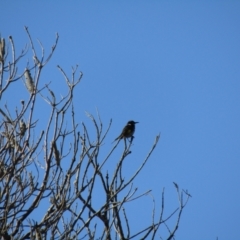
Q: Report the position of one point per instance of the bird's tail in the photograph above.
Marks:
(118, 138)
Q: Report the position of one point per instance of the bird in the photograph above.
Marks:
(127, 131)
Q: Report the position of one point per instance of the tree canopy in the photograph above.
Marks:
(80, 201)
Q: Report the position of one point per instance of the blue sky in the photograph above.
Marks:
(174, 67)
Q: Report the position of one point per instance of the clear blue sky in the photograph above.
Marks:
(174, 66)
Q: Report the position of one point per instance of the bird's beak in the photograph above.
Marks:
(136, 122)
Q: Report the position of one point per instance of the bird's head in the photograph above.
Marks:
(131, 122)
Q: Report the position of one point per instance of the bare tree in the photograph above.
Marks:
(82, 200)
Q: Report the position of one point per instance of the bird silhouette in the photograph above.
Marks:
(127, 131)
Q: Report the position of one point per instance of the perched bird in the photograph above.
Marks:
(127, 131)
